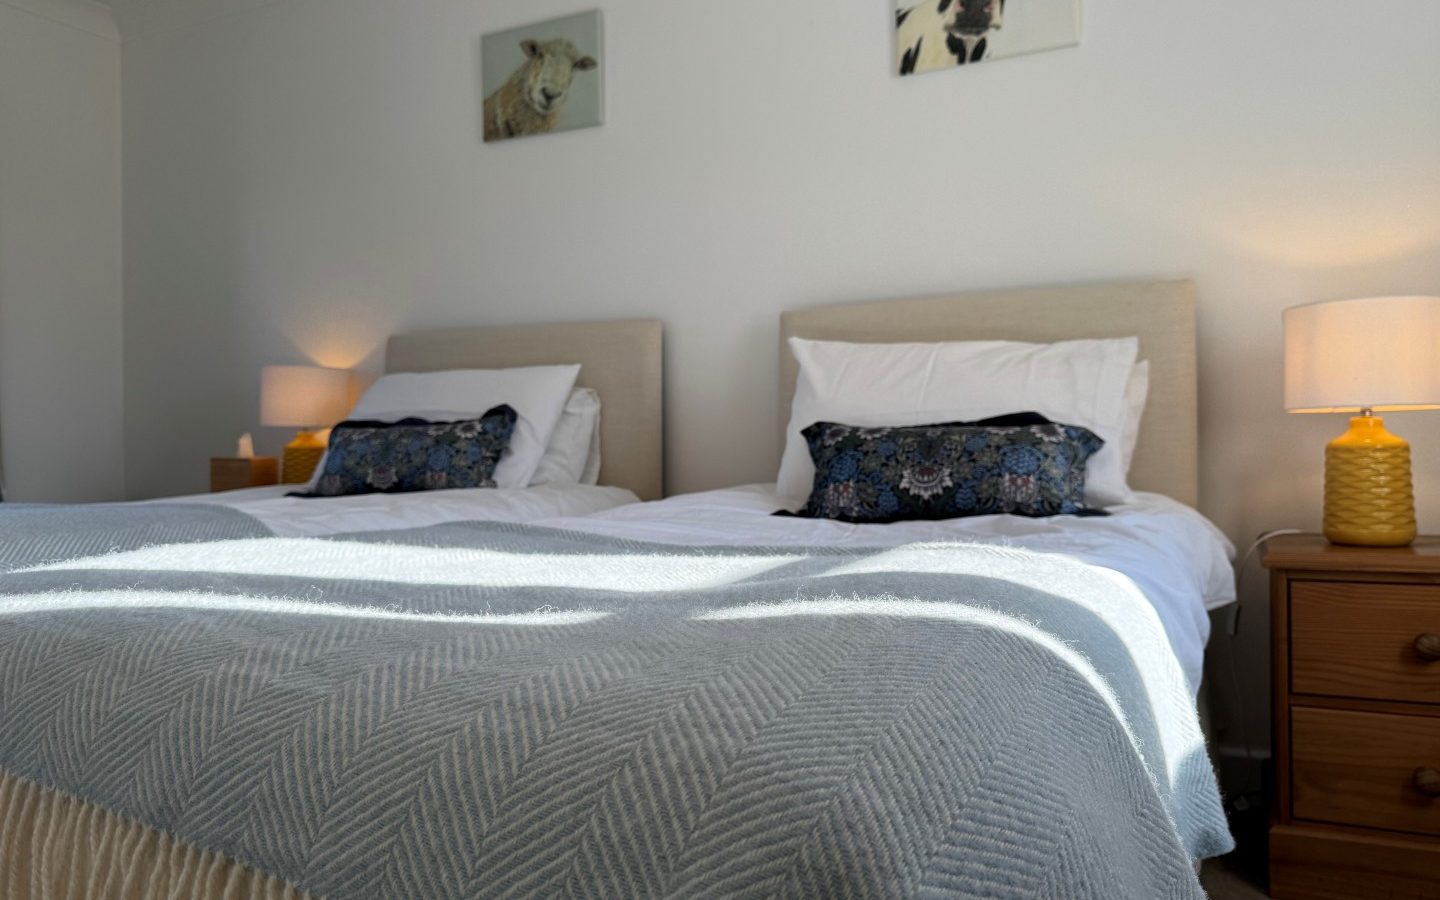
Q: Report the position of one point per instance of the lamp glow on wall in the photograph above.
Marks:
(1365, 357)
(310, 398)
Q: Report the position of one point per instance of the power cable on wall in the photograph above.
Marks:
(1240, 717)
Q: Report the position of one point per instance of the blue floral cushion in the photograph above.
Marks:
(928, 472)
(415, 455)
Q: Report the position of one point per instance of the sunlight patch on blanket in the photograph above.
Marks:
(896, 607)
(29, 604)
(1091, 587)
(399, 564)
(1088, 586)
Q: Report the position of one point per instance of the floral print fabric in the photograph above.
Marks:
(415, 455)
(928, 472)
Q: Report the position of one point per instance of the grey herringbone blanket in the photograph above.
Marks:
(35, 533)
(487, 710)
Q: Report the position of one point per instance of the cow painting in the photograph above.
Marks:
(940, 34)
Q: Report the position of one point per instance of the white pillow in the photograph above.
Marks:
(1137, 391)
(536, 393)
(1074, 382)
(573, 455)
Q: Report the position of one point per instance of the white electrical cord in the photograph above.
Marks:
(1234, 629)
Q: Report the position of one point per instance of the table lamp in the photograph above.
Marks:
(1365, 357)
(310, 398)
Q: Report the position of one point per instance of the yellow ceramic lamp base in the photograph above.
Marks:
(1369, 495)
(301, 457)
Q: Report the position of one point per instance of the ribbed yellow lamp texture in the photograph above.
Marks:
(1369, 494)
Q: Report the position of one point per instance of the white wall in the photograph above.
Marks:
(60, 271)
(306, 177)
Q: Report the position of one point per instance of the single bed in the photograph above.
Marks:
(621, 361)
(1172, 555)
(479, 708)
(1159, 550)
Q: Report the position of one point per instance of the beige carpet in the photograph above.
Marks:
(1225, 879)
(1242, 875)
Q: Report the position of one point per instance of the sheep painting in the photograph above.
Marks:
(940, 34)
(546, 75)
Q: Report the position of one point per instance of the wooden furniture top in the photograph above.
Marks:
(230, 474)
(1312, 553)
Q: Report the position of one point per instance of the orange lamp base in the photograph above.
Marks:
(1369, 494)
(301, 457)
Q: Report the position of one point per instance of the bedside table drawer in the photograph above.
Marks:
(1374, 641)
(1366, 769)
(234, 474)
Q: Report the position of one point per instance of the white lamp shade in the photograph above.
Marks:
(303, 396)
(1347, 355)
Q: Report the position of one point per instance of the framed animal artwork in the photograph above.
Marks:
(939, 34)
(543, 78)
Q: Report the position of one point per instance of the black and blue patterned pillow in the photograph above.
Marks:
(1025, 466)
(414, 455)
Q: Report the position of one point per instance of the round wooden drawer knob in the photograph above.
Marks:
(1427, 646)
(1427, 782)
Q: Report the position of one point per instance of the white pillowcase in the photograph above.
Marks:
(573, 455)
(1137, 391)
(1074, 382)
(537, 394)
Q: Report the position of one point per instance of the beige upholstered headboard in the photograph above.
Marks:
(1160, 313)
(620, 360)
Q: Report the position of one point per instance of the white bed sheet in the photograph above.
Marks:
(314, 517)
(1164, 551)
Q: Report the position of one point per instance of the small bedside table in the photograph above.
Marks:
(233, 474)
(1355, 634)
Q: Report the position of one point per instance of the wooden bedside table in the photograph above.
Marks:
(1355, 634)
(233, 474)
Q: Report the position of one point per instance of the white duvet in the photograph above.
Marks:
(1165, 552)
(318, 516)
